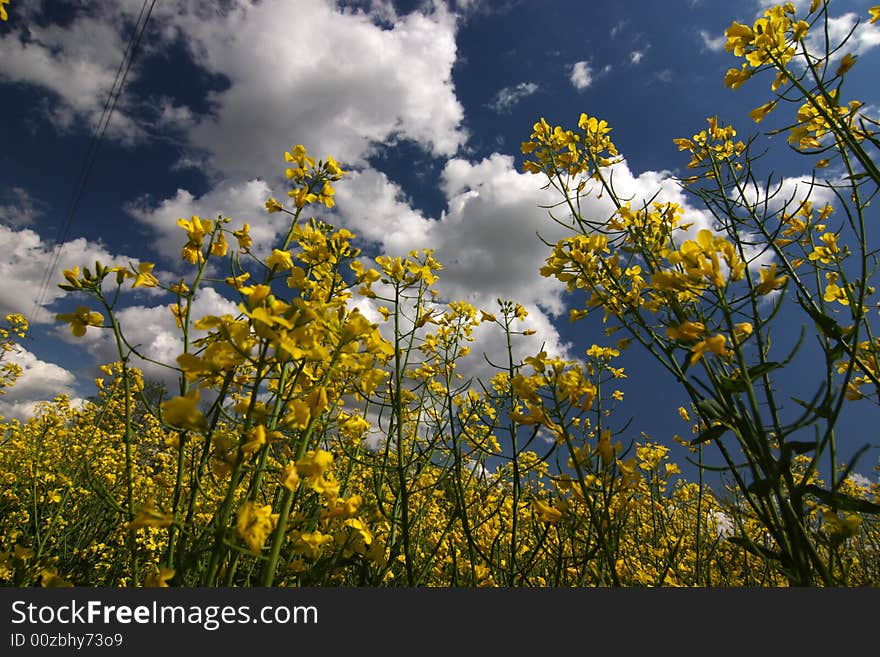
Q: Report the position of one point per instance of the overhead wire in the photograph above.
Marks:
(92, 152)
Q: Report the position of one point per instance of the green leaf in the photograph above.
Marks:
(712, 433)
(761, 369)
(820, 411)
(841, 502)
(738, 383)
(711, 409)
(732, 384)
(825, 323)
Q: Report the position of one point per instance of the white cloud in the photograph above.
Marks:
(18, 208)
(723, 524)
(715, 44)
(241, 202)
(865, 36)
(25, 260)
(800, 6)
(78, 63)
(788, 194)
(507, 97)
(487, 239)
(328, 77)
(39, 381)
(153, 332)
(860, 480)
(379, 85)
(581, 75)
(389, 220)
(636, 56)
(618, 28)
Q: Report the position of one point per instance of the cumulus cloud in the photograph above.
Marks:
(788, 194)
(77, 63)
(636, 56)
(39, 381)
(384, 84)
(389, 81)
(488, 236)
(153, 332)
(581, 75)
(241, 202)
(507, 97)
(25, 259)
(864, 35)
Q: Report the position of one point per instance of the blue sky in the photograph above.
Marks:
(426, 104)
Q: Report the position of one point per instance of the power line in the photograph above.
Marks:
(94, 145)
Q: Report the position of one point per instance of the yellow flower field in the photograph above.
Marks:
(309, 446)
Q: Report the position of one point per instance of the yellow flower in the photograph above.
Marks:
(841, 527)
(255, 523)
(290, 477)
(846, 64)
(273, 206)
(244, 237)
(742, 330)
(237, 281)
(546, 513)
(184, 411)
(315, 466)
(714, 343)
(3, 14)
(769, 280)
(160, 577)
(219, 247)
(834, 292)
(299, 156)
(179, 313)
(256, 439)
(196, 228)
(144, 277)
(80, 319)
(310, 543)
(302, 196)
(326, 195)
(280, 260)
(180, 287)
(759, 113)
(333, 168)
(150, 517)
(686, 331)
(875, 13)
(739, 36)
(72, 275)
(735, 78)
